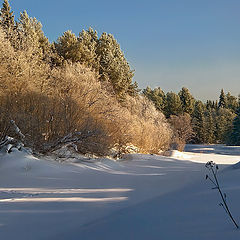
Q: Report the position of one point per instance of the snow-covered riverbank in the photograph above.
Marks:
(140, 197)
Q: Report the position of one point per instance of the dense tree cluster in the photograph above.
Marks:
(212, 122)
(78, 89)
(103, 54)
(85, 84)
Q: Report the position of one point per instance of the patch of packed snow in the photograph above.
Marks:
(140, 197)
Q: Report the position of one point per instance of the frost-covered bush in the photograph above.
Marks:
(50, 102)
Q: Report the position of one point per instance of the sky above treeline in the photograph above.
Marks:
(169, 43)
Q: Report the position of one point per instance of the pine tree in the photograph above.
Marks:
(187, 100)
(159, 99)
(31, 36)
(114, 66)
(210, 105)
(67, 47)
(7, 20)
(148, 92)
(157, 96)
(87, 45)
(234, 138)
(199, 123)
(173, 104)
(231, 102)
(224, 122)
(210, 127)
(222, 100)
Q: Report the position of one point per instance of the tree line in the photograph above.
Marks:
(211, 122)
(81, 88)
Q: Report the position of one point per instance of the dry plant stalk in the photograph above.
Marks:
(213, 168)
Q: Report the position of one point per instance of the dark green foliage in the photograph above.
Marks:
(210, 126)
(234, 138)
(157, 96)
(173, 104)
(224, 120)
(211, 122)
(231, 102)
(114, 66)
(199, 123)
(187, 101)
(222, 100)
(211, 105)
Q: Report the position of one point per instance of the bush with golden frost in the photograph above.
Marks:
(49, 104)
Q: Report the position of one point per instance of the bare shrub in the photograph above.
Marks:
(182, 130)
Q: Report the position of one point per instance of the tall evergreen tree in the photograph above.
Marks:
(104, 55)
(31, 36)
(67, 46)
(222, 100)
(231, 102)
(234, 138)
(148, 92)
(187, 101)
(114, 66)
(210, 127)
(199, 123)
(173, 104)
(210, 105)
(157, 96)
(224, 122)
(87, 45)
(7, 20)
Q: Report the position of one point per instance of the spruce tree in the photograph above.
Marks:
(231, 102)
(199, 123)
(234, 138)
(210, 127)
(224, 122)
(210, 105)
(157, 96)
(148, 92)
(222, 100)
(187, 101)
(159, 99)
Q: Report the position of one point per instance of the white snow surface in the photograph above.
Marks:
(140, 197)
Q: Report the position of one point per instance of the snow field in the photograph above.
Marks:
(140, 197)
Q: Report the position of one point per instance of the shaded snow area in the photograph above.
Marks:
(139, 197)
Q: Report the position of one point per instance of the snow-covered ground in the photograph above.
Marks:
(139, 197)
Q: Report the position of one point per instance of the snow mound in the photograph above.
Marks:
(179, 155)
(236, 166)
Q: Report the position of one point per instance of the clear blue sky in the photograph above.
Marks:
(169, 43)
